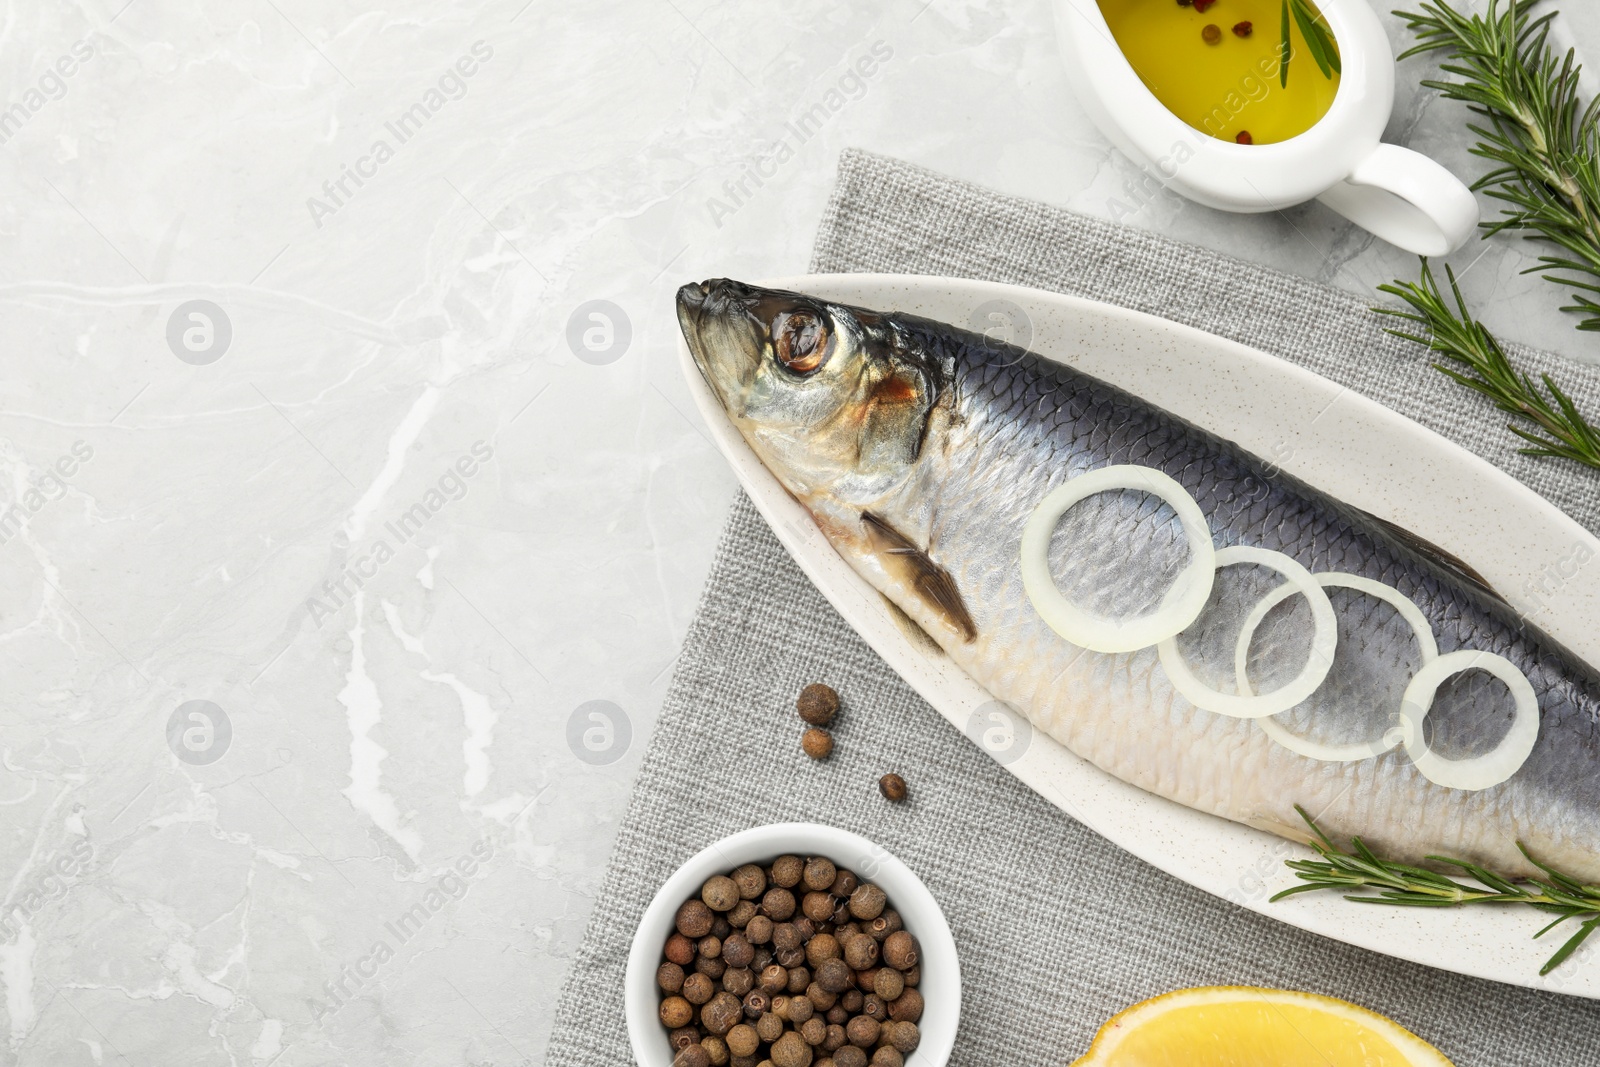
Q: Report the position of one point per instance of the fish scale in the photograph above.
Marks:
(995, 430)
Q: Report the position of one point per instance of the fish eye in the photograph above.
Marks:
(801, 340)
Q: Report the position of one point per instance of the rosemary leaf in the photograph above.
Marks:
(1284, 49)
(1316, 42)
(1542, 415)
(1541, 137)
(1402, 885)
(1570, 947)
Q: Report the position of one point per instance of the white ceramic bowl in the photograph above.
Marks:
(941, 975)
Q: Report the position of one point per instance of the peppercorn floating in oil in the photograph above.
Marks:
(1222, 66)
(797, 964)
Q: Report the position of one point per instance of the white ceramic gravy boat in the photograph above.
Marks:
(1400, 195)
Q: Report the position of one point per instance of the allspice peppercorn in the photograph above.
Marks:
(814, 1031)
(905, 1037)
(1211, 33)
(676, 1012)
(849, 1056)
(692, 1056)
(778, 905)
(669, 977)
(759, 929)
(680, 950)
(722, 1013)
(888, 1056)
(773, 980)
(907, 1007)
(769, 1027)
(817, 743)
(893, 787)
(791, 1050)
(834, 975)
(885, 924)
(751, 880)
(739, 981)
(861, 952)
(742, 1040)
(697, 989)
(817, 704)
(683, 1037)
(758, 1002)
(862, 1031)
(818, 907)
(867, 902)
(737, 951)
(819, 874)
(799, 978)
(742, 913)
(694, 919)
(717, 1049)
(889, 983)
(844, 883)
(787, 871)
(822, 948)
(720, 893)
(900, 950)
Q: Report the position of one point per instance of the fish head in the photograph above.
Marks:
(832, 398)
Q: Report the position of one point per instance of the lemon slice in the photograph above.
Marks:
(1237, 1026)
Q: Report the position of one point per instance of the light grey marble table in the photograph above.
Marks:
(345, 553)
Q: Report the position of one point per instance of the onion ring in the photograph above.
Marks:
(1500, 762)
(1357, 750)
(1181, 605)
(1324, 639)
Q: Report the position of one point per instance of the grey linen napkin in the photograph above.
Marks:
(1057, 928)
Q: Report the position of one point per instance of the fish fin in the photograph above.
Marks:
(913, 632)
(911, 565)
(1454, 564)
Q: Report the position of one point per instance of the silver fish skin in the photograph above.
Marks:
(921, 450)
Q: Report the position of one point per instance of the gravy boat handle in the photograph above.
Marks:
(1408, 200)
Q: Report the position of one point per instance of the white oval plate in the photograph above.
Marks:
(1348, 446)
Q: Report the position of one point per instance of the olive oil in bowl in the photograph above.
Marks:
(1217, 64)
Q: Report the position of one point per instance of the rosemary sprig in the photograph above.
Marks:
(1550, 424)
(1413, 887)
(1541, 137)
(1319, 40)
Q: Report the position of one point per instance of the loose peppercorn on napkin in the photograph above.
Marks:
(1057, 928)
